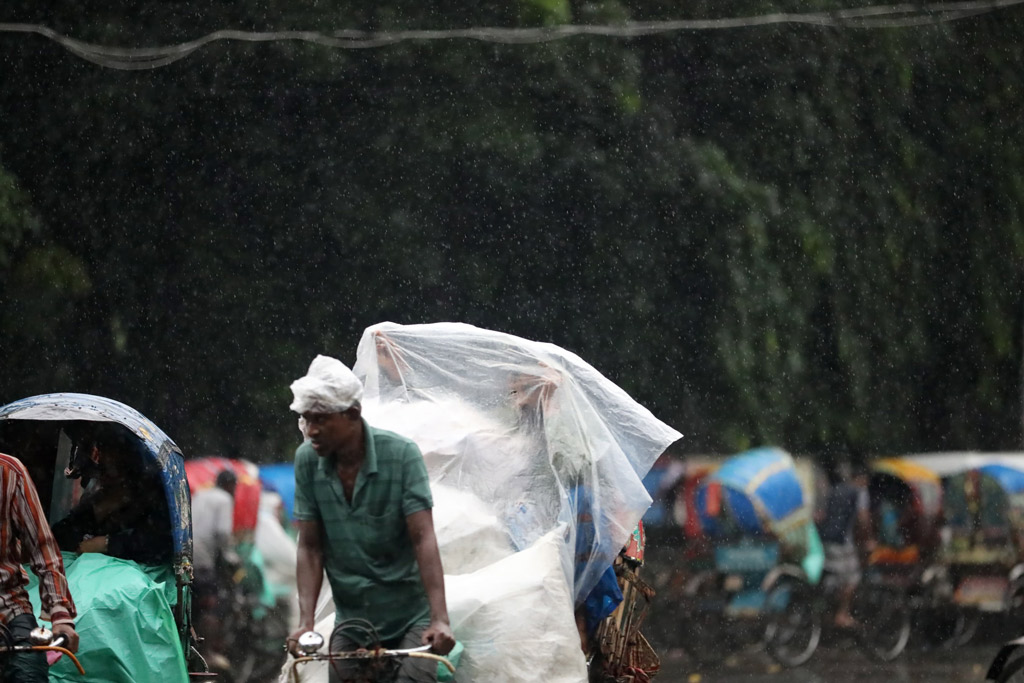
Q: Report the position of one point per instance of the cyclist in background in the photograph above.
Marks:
(845, 528)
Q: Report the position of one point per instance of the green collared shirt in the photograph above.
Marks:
(368, 555)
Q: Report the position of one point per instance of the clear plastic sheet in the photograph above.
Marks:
(539, 437)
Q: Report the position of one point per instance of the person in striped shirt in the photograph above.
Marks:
(25, 537)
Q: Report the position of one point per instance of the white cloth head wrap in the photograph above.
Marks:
(328, 387)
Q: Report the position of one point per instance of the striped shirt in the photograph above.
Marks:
(368, 555)
(25, 537)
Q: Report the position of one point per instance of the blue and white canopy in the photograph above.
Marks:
(761, 490)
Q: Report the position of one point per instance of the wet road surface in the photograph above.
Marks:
(838, 664)
(836, 661)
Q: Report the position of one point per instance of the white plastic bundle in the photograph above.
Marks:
(515, 619)
(535, 433)
(469, 536)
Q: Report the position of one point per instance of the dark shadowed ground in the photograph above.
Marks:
(839, 665)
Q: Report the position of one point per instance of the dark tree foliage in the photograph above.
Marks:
(783, 235)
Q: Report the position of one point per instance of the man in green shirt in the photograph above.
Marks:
(363, 511)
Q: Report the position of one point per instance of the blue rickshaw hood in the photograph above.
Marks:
(158, 448)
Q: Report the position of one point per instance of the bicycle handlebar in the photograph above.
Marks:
(56, 645)
(407, 652)
(421, 652)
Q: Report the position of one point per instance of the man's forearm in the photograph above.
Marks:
(309, 578)
(432, 574)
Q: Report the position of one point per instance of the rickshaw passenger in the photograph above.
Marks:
(25, 536)
(534, 397)
(123, 512)
(845, 520)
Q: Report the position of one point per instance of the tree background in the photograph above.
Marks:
(789, 235)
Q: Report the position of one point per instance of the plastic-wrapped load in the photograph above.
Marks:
(532, 430)
(515, 619)
(126, 627)
(469, 536)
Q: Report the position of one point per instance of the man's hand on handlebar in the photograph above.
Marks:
(439, 637)
(292, 644)
(66, 631)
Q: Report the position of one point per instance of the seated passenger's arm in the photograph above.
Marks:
(70, 531)
(146, 538)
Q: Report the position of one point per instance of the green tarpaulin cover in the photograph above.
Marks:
(125, 622)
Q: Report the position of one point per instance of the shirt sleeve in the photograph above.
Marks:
(40, 549)
(305, 509)
(416, 483)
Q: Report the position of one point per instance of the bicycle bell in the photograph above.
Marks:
(40, 636)
(310, 642)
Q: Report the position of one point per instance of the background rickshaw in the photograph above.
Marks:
(906, 516)
(765, 558)
(678, 548)
(979, 532)
(257, 614)
(982, 550)
(134, 618)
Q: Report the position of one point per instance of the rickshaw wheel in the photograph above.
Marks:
(794, 622)
(972, 620)
(883, 617)
(948, 625)
(1015, 601)
(1013, 672)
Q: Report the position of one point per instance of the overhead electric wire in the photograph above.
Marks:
(886, 16)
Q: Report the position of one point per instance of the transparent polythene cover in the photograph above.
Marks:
(533, 432)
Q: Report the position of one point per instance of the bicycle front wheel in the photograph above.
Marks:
(1013, 672)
